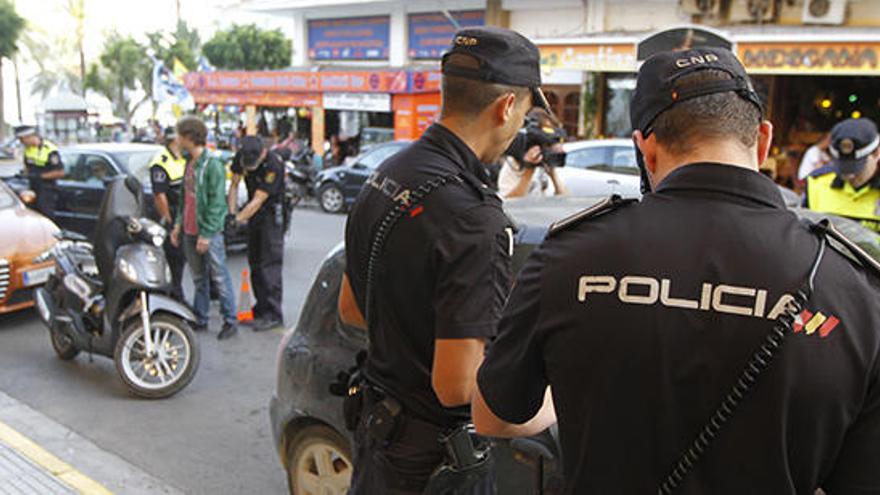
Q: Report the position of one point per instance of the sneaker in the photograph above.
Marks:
(229, 330)
(267, 324)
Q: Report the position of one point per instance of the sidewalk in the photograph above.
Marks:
(39, 456)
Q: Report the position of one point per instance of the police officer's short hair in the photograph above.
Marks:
(680, 128)
(469, 97)
(194, 129)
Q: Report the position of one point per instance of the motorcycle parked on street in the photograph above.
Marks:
(102, 297)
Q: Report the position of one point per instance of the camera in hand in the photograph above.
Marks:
(534, 134)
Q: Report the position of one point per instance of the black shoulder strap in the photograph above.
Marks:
(753, 370)
(387, 224)
(608, 204)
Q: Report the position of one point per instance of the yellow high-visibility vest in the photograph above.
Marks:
(861, 205)
(38, 156)
(174, 167)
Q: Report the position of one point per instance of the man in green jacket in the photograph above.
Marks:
(200, 217)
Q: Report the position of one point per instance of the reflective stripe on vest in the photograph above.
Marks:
(174, 167)
(38, 156)
(862, 205)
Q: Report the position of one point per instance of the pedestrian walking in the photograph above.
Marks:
(199, 226)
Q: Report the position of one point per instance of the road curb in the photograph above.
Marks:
(69, 457)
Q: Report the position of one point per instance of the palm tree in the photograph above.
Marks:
(77, 10)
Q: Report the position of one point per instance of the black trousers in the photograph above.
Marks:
(176, 261)
(404, 466)
(265, 257)
(45, 202)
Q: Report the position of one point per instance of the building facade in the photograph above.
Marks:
(816, 61)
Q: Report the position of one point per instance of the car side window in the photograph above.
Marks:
(595, 158)
(91, 169)
(375, 158)
(71, 162)
(623, 160)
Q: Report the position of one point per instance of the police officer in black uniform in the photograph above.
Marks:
(263, 174)
(433, 288)
(703, 340)
(43, 166)
(166, 176)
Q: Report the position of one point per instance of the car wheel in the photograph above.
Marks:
(331, 198)
(319, 462)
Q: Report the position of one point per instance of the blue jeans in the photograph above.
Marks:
(212, 263)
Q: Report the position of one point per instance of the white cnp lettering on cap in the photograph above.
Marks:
(681, 63)
(647, 291)
(466, 41)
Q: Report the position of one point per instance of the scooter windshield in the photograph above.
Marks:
(123, 199)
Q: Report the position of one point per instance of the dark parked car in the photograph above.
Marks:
(337, 187)
(87, 168)
(307, 424)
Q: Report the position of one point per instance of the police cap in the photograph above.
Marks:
(656, 88)
(851, 142)
(503, 56)
(250, 150)
(25, 130)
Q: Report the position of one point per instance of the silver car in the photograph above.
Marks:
(600, 168)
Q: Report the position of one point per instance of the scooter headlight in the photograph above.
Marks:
(128, 270)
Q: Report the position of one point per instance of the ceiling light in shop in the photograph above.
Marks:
(856, 114)
(825, 103)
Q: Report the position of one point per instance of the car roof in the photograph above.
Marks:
(594, 143)
(113, 147)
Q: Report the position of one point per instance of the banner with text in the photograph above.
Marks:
(356, 38)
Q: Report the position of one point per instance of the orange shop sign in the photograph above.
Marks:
(813, 58)
(271, 81)
(620, 57)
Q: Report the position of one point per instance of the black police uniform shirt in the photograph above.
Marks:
(161, 183)
(642, 318)
(268, 177)
(445, 270)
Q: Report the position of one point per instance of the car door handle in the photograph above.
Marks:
(613, 181)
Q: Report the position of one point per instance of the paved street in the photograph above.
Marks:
(214, 437)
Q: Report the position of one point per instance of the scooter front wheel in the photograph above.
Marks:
(170, 367)
(62, 343)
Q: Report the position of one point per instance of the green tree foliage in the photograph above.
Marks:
(248, 47)
(184, 45)
(11, 25)
(124, 69)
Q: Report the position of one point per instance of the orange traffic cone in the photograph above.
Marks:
(245, 298)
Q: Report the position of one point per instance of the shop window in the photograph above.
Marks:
(617, 95)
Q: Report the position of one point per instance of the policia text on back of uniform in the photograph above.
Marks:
(641, 318)
(441, 275)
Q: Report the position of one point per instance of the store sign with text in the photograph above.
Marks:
(590, 58)
(353, 81)
(811, 58)
(355, 38)
(430, 34)
(362, 102)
